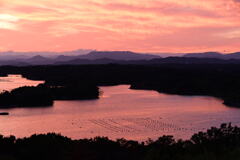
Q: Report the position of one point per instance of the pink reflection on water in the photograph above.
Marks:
(14, 81)
(121, 112)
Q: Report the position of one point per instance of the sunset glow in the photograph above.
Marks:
(143, 26)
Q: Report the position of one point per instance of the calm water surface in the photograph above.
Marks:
(14, 81)
(120, 112)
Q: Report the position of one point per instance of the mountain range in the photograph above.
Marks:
(217, 55)
(120, 57)
(99, 57)
(12, 55)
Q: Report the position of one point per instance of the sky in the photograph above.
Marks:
(142, 25)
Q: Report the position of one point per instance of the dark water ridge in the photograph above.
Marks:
(217, 143)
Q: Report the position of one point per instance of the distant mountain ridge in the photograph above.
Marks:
(12, 55)
(156, 61)
(119, 55)
(114, 55)
(99, 57)
(123, 57)
(217, 55)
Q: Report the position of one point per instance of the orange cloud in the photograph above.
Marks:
(146, 25)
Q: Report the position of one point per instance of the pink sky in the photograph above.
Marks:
(142, 25)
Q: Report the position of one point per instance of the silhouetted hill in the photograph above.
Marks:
(205, 55)
(193, 60)
(156, 61)
(118, 55)
(63, 58)
(125, 57)
(217, 55)
(235, 55)
(39, 60)
(102, 57)
(87, 61)
(13, 63)
(13, 55)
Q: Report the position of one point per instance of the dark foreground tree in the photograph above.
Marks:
(215, 144)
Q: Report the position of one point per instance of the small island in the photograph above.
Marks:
(44, 95)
